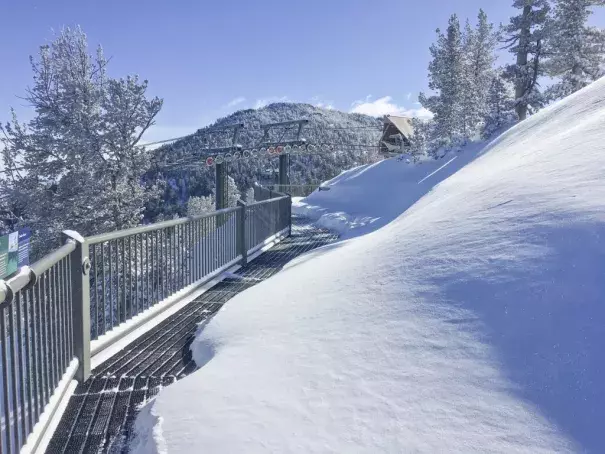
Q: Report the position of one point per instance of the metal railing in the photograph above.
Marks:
(134, 269)
(297, 190)
(265, 219)
(37, 311)
(262, 193)
(89, 293)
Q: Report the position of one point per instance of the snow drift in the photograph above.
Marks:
(365, 198)
(474, 321)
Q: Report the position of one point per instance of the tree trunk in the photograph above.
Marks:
(521, 82)
(576, 70)
(115, 209)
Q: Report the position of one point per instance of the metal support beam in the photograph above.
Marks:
(284, 159)
(284, 174)
(234, 126)
(285, 123)
(236, 129)
(222, 191)
(300, 126)
(282, 124)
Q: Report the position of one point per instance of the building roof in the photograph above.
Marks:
(403, 125)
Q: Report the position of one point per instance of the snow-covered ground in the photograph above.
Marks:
(472, 321)
(365, 198)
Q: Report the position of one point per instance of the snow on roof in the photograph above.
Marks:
(402, 124)
(466, 315)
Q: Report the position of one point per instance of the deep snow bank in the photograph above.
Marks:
(474, 322)
(365, 198)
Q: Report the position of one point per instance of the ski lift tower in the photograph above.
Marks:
(284, 158)
(222, 191)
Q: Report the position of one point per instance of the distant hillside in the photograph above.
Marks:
(181, 169)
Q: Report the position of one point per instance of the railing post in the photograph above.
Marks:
(289, 212)
(241, 232)
(80, 294)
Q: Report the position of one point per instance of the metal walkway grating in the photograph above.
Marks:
(100, 415)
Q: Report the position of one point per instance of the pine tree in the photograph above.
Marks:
(576, 50)
(446, 71)
(500, 111)
(525, 35)
(76, 164)
(250, 195)
(197, 206)
(479, 58)
(233, 192)
(422, 140)
(469, 108)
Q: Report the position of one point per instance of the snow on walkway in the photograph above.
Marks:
(472, 322)
(100, 415)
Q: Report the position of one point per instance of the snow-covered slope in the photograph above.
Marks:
(472, 322)
(365, 198)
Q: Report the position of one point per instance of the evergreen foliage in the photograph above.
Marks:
(576, 51)
(525, 37)
(76, 165)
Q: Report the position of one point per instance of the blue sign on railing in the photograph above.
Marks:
(14, 251)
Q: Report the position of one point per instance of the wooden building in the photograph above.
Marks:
(396, 135)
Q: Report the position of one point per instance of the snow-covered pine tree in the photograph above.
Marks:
(479, 58)
(446, 74)
(524, 37)
(576, 51)
(422, 140)
(500, 105)
(468, 111)
(233, 192)
(197, 206)
(250, 195)
(206, 204)
(76, 164)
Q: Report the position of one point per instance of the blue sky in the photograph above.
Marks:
(210, 58)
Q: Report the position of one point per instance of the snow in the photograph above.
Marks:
(148, 427)
(472, 320)
(359, 201)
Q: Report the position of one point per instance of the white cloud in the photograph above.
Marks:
(409, 96)
(422, 113)
(235, 102)
(386, 106)
(317, 101)
(377, 108)
(260, 103)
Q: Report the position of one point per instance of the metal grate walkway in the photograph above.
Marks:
(100, 415)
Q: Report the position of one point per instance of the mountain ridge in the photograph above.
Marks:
(344, 140)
